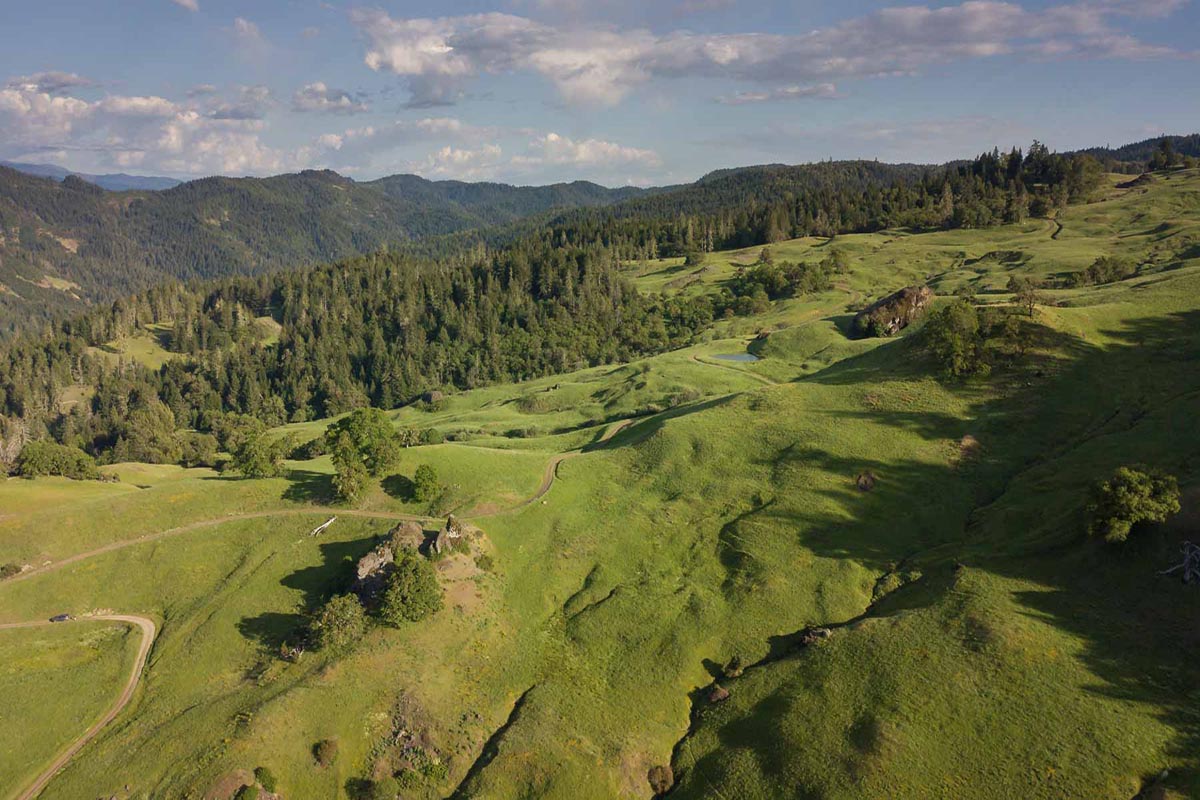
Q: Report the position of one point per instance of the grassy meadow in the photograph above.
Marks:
(981, 645)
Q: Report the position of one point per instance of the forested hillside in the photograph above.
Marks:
(760, 205)
(64, 245)
(384, 329)
(1133, 158)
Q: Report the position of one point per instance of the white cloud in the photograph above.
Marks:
(824, 91)
(245, 29)
(49, 82)
(559, 150)
(137, 132)
(248, 38)
(252, 102)
(319, 97)
(460, 163)
(190, 5)
(599, 64)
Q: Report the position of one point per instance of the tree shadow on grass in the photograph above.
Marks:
(1061, 423)
(333, 576)
(271, 629)
(306, 486)
(400, 487)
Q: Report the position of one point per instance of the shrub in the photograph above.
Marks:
(432, 436)
(1133, 495)
(247, 793)
(266, 779)
(48, 458)
(734, 668)
(661, 779)
(425, 483)
(1105, 269)
(371, 436)
(351, 478)
(197, 449)
(952, 336)
(313, 448)
(260, 456)
(384, 789)
(412, 591)
(339, 624)
(9, 570)
(325, 752)
(485, 562)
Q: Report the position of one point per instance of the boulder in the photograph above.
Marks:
(407, 535)
(815, 636)
(719, 694)
(893, 313)
(442, 543)
(371, 572)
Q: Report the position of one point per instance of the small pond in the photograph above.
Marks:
(743, 357)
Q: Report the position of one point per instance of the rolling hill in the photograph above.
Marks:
(947, 629)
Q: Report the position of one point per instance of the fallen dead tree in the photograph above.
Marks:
(1190, 566)
(320, 528)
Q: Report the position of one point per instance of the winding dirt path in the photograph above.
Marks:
(147, 625)
(760, 378)
(550, 474)
(148, 630)
(209, 523)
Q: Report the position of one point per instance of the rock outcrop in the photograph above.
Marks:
(371, 573)
(406, 536)
(449, 535)
(893, 313)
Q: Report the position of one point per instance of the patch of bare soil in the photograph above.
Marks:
(969, 448)
(227, 786)
(458, 574)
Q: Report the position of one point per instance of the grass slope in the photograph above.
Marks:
(982, 647)
(55, 683)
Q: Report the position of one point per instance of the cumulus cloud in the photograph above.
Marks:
(190, 5)
(49, 82)
(559, 150)
(824, 91)
(461, 163)
(591, 64)
(248, 38)
(319, 97)
(137, 132)
(252, 102)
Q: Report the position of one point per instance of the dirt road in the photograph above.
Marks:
(135, 676)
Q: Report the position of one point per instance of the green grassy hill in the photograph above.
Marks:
(981, 645)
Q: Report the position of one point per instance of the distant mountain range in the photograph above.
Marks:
(69, 240)
(114, 182)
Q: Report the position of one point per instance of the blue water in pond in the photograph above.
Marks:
(745, 357)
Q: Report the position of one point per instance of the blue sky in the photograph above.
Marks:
(625, 91)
